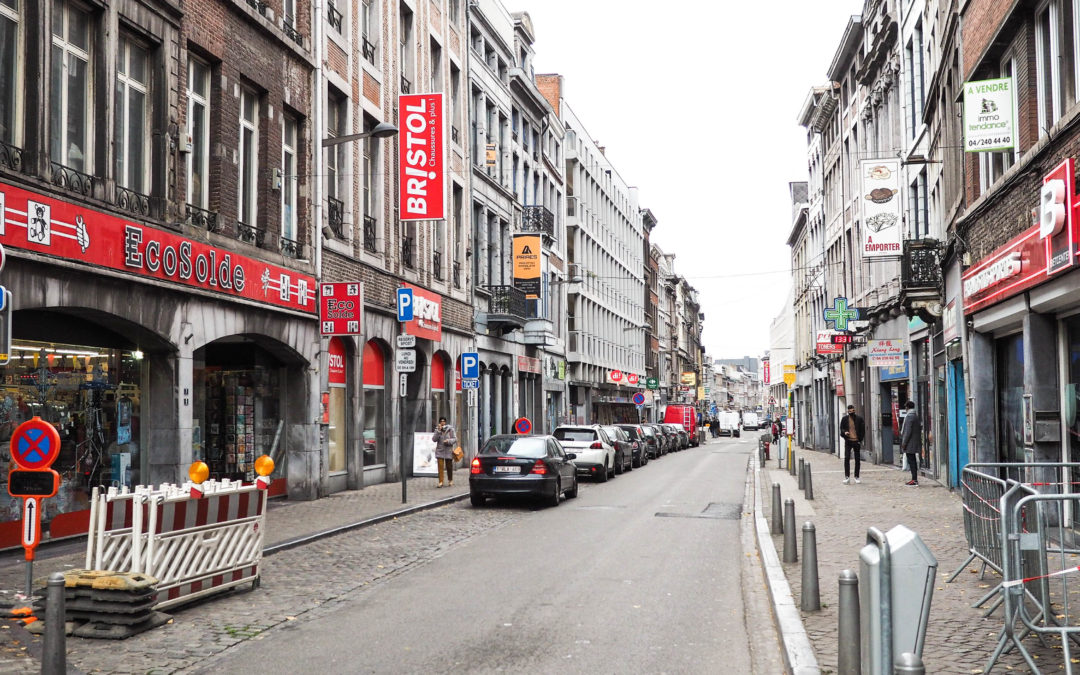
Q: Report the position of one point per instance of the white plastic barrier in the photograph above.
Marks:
(195, 539)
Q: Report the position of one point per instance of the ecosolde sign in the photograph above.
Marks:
(421, 159)
(48, 226)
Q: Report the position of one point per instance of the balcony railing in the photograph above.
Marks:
(67, 178)
(506, 302)
(197, 217)
(369, 49)
(11, 157)
(333, 17)
(250, 234)
(538, 219)
(369, 235)
(288, 26)
(408, 252)
(921, 267)
(291, 247)
(335, 216)
(456, 272)
(406, 85)
(436, 265)
(258, 5)
(132, 202)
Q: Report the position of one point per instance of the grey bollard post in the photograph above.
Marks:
(791, 462)
(790, 541)
(808, 489)
(811, 593)
(849, 653)
(802, 475)
(54, 650)
(777, 511)
(909, 664)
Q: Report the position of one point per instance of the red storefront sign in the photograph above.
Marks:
(824, 344)
(336, 362)
(1045, 249)
(73, 232)
(528, 364)
(615, 376)
(632, 378)
(765, 371)
(421, 157)
(341, 308)
(427, 314)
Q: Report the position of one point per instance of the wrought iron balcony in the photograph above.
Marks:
(406, 85)
(335, 216)
(921, 279)
(456, 271)
(250, 234)
(291, 247)
(11, 157)
(408, 252)
(369, 49)
(69, 179)
(132, 202)
(333, 16)
(538, 219)
(369, 235)
(506, 308)
(436, 265)
(288, 26)
(208, 220)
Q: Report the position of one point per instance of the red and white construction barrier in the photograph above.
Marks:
(195, 539)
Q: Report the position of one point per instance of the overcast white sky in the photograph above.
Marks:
(696, 102)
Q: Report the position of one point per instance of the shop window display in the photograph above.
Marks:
(242, 420)
(91, 395)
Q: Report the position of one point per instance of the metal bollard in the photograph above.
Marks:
(777, 511)
(909, 664)
(790, 542)
(54, 650)
(761, 451)
(802, 476)
(849, 652)
(791, 462)
(809, 487)
(811, 592)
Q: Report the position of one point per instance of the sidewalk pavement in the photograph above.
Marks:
(288, 523)
(958, 639)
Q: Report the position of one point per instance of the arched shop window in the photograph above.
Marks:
(440, 390)
(336, 379)
(375, 404)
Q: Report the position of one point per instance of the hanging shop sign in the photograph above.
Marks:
(427, 314)
(824, 343)
(341, 308)
(989, 122)
(421, 159)
(789, 375)
(528, 364)
(526, 252)
(652, 383)
(689, 378)
(838, 378)
(881, 207)
(1057, 218)
(632, 379)
(840, 315)
(950, 322)
(615, 376)
(51, 227)
(886, 353)
(336, 362)
(765, 374)
(893, 373)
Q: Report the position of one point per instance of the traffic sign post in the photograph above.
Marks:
(34, 446)
(406, 341)
(405, 361)
(404, 304)
(523, 426)
(639, 399)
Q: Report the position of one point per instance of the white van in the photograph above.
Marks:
(750, 421)
(729, 423)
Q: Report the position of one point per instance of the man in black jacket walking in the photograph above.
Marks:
(911, 441)
(852, 429)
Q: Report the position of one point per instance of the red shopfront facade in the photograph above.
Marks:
(148, 349)
(1023, 349)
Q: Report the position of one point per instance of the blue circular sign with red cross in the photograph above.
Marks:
(523, 425)
(35, 444)
(639, 398)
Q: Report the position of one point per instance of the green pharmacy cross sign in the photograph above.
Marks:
(840, 314)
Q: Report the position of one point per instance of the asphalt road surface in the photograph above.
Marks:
(645, 574)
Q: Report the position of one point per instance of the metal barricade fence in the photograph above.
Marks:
(192, 545)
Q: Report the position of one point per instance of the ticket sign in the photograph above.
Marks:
(35, 444)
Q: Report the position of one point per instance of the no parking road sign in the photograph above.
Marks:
(35, 444)
(639, 398)
(523, 425)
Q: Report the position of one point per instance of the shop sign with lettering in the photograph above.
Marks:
(427, 314)
(528, 364)
(51, 227)
(422, 157)
(336, 363)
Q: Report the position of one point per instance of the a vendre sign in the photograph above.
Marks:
(421, 157)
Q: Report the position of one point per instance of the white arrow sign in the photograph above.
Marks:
(31, 521)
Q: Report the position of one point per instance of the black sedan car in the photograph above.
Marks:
(643, 443)
(515, 465)
(624, 448)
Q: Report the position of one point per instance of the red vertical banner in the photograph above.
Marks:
(336, 362)
(766, 374)
(421, 157)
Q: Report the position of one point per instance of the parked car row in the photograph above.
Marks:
(548, 467)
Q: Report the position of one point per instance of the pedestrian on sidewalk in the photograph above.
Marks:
(852, 429)
(911, 440)
(445, 439)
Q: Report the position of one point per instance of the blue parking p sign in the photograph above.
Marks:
(404, 304)
(470, 365)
